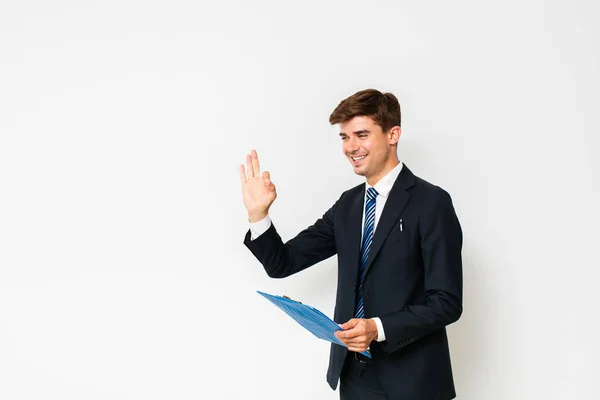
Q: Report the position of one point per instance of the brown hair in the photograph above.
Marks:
(383, 108)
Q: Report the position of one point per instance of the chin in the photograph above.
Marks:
(359, 171)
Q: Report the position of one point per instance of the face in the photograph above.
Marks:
(371, 151)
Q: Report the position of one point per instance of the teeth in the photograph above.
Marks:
(358, 158)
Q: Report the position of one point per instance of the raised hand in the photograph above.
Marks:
(258, 191)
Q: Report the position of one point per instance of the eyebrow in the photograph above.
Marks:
(356, 132)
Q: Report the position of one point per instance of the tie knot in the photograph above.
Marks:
(371, 193)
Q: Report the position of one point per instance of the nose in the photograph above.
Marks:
(351, 145)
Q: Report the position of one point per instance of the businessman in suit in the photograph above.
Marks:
(398, 243)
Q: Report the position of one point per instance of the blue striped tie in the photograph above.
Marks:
(366, 245)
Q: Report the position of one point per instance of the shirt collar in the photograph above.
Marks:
(384, 186)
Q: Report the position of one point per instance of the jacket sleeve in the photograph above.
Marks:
(441, 243)
(313, 244)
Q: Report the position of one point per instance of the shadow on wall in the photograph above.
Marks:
(471, 336)
(467, 337)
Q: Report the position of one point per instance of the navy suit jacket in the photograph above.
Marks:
(413, 280)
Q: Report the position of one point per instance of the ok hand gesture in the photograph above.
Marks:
(258, 191)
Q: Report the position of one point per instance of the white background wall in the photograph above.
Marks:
(122, 125)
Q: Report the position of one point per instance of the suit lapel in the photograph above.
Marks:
(394, 205)
(355, 229)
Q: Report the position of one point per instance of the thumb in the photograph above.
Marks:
(266, 176)
(350, 324)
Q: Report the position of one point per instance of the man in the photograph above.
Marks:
(398, 242)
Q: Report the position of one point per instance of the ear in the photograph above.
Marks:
(395, 133)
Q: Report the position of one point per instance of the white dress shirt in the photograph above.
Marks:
(383, 187)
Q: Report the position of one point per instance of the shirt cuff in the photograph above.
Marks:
(380, 332)
(259, 227)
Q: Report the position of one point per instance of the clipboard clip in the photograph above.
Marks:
(287, 297)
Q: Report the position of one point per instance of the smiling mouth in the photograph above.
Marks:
(358, 158)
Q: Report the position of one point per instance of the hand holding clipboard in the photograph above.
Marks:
(310, 318)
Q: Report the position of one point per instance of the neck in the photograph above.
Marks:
(372, 180)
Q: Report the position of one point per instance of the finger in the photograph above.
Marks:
(266, 176)
(356, 343)
(347, 335)
(357, 349)
(342, 335)
(243, 175)
(350, 324)
(249, 166)
(356, 339)
(255, 165)
(351, 343)
(267, 179)
(356, 346)
(342, 340)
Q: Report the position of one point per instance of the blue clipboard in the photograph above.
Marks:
(310, 318)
